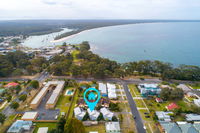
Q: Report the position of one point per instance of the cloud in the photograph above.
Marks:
(107, 9)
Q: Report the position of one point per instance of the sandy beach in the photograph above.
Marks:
(68, 37)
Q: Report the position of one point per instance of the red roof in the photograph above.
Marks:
(172, 106)
(159, 99)
(12, 84)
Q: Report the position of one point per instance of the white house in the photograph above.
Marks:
(107, 115)
(20, 126)
(103, 89)
(93, 114)
(197, 102)
(79, 114)
(111, 91)
(112, 127)
(164, 116)
(192, 117)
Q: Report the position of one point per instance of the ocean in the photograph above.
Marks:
(173, 42)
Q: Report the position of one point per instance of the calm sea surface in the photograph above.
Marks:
(177, 43)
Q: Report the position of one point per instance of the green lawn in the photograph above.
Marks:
(44, 124)
(142, 111)
(73, 104)
(133, 89)
(63, 103)
(139, 103)
(100, 128)
(152, 104)
(195, 87)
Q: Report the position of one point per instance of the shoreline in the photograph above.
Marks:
(68, 37)
(73, 35)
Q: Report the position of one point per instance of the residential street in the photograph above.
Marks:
(135, 112)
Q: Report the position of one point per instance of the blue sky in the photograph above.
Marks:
(99, 9)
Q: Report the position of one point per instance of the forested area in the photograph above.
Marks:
(92, 65)
(19, 63)
(87, 64)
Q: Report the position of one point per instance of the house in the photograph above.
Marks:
(43, 130)
(165, 86)
(172, 106)
(107, 115)
(197, 126)
(191, 94)
(112, 127)
(170, 127)
(30, 116)
(103, 89)
(184, 87)
(192, 117)
(20, 126)
(93, 114)
(164, 116)
(159, 100)
(11, 84)
(112, 94)
(104, 102)
(197, 102)
(149, 89)
(187, 127)
(79, 114)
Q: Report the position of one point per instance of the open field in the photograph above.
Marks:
(63, 103)
(100, 128)
(139, 103)
(133, 89)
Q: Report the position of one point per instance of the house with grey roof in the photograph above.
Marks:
(184, 87)
(164, 116)
(107, 114)
(197, 102)
(197, 126)
(170, 127)
(93, 114)
(112, 127)
(20, 126)
(192, 117)
(79, 113)
(187, 127)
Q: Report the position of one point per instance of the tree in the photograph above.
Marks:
(61, 125)
(8, 98)
(14, 105)
(114, 106)
(177, 94)
(114, 118)
(100, 117)
(165, 93)
(34, 84)
(86, 117)
(2, 118)
(22, 97)
(74, 126)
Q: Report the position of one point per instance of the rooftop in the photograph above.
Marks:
(112, 126)
(19, 125)
(29, 116)
(42, 130)
(192, 117)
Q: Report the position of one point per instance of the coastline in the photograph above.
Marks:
(82, 31)
(68, 37)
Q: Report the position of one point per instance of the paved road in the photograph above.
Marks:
(135, 112)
